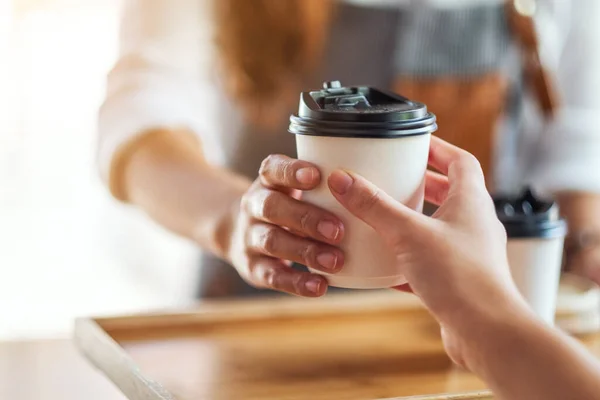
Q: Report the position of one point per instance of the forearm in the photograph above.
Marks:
(525, 359)
(166, 175)
(582, 210)
(582, 246)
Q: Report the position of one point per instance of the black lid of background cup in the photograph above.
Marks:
(529, 217)
(359, 112)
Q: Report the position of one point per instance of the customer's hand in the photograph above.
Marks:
(274, 228)
(454, 261)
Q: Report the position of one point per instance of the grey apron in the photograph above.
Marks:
(367, 46)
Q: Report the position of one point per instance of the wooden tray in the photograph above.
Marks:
(364, 345)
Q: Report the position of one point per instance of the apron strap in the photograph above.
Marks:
(539, 79)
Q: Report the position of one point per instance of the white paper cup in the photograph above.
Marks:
(535, 247)
(535, 266)
(388, 146)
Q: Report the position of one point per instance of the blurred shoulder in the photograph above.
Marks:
(148, 17)
(170, 28)
(179, 7)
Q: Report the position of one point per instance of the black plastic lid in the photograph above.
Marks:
(529, 217)
(359, 112)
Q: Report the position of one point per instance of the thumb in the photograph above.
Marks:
(370, 204)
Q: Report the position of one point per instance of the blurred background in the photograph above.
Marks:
(66, 248)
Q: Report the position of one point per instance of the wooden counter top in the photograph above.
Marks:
(357, 346)
(208, 355)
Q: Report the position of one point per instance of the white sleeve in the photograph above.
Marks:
(162, 77)
(569, 149)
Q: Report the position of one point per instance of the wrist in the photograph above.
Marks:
(222, 230)
(227, 231)
(489, 327)
(499, 336)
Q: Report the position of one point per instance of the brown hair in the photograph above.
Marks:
(267, 46)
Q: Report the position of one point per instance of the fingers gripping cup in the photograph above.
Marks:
(379, 135)
(536, 236)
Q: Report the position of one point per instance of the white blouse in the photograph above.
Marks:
(164, 77)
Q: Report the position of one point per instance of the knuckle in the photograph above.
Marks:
(308, 254)
(267, 165)
(298, 283)
(247, 250)
(469, 160)
(269, 205)
(307, 220)
(270, 278)
(276, 169)
(269, 240)
(246, 201)
(286, 172)
(366, 200)
(248, 272)
(264, 277)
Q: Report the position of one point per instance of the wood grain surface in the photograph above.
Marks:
(359, 346)
(371, 345)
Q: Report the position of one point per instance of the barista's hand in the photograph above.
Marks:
(455, 261)
(274, 227)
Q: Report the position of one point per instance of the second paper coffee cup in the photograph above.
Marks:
(536, 234)
(380, 136)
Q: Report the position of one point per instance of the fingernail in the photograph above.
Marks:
(313, 285)
(327, 260)
(340, 182)
(328, 229)
(306, 175)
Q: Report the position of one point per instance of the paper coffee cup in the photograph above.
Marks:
(382, 137)
(536, 236)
